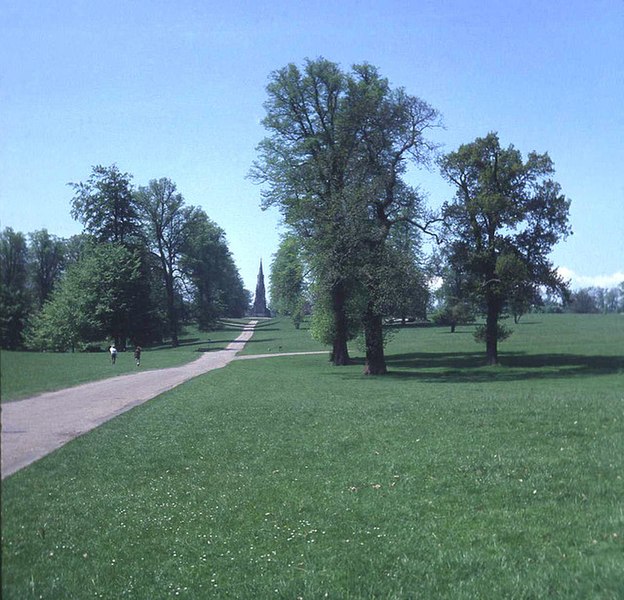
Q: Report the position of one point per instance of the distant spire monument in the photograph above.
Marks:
(259, 307)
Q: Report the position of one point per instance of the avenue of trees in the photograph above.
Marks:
(145, 262)
(334, 163)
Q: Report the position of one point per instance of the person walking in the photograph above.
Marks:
(137, 355)
(113, 353)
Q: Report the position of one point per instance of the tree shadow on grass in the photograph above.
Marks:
(461, 367)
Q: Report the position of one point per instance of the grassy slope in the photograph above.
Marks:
(289, 478)
(25, 374)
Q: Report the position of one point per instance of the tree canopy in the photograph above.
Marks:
(506, 216)
(144, 261)
(106, 206)
(339, 144)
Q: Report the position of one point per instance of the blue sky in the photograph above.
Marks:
(175, 89)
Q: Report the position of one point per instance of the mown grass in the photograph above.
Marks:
(288, 478)
(24, 374)
(279, 335)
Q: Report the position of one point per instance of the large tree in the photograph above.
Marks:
(107, 206)
(214, 287)
(338, 145)
(305, 161)
(455, 301)
(167, 225)
(390, 128)
(506, 216)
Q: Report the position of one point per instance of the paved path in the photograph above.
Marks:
(34, 427)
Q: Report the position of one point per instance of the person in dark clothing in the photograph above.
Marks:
(137, 355)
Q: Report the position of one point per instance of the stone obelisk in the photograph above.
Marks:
(259, 306)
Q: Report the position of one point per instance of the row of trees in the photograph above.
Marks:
(335, 163)
(145, 261)
(598, 300)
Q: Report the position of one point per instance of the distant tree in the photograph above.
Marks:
(454, 314)
(509, 214)
(14, 294)
(76, 247)
(46, 262)
(396, 289)
(167, 223)
(106, 206)
(414, 273)
(455, 295)
(614, 299)
(96, 299)
(287, 281)
(214, 287)
(585, 300)
(236, 298)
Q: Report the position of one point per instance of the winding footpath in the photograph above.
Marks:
(34, 427)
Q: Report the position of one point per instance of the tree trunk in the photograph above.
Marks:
(171, 312)
(373, 333)
(491, 334)
(340, 352)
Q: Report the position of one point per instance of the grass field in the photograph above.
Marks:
(25, 374)
(288, 478)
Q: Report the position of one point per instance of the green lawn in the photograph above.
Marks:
(289, 478)
(279, 335)
(25, 374)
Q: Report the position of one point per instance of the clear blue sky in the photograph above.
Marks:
(175, 89)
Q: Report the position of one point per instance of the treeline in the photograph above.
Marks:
(334, 162)
(597, 300)
(145, 262)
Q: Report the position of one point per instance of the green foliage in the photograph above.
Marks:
(212, 275)
(322, 325)
(15, 300)
(502, 333)
(46, 263)
(339, 143)
(162, 276)
(106, 206)
(597, 300)
(95, 300)
(287, 285)
(506, 217)
(459, 313)
(167, 224)
(323, 319)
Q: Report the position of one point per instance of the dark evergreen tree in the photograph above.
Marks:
(14, 295)
(46, 261)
